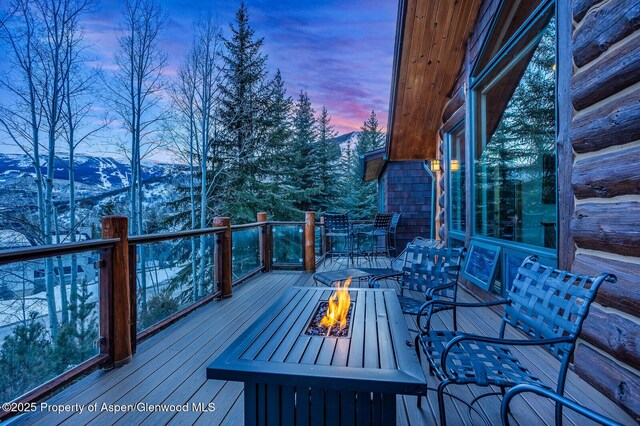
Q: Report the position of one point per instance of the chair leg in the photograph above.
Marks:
(416, 344)
(503, 391)
(375, 248)
(558, 414)
(386, 246)
(443, 414)
(560, 391)
(350, 239)
(455, 319)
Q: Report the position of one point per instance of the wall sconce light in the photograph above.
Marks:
(455, 165)
(434, 165)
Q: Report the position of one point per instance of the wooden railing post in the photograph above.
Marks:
(115, 274)
(310, 242)
(223, 258)
(265, 245)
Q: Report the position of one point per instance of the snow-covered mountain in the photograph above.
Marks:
(99, 173)
(347, 142)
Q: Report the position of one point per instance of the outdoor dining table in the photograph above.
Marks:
(291, 377)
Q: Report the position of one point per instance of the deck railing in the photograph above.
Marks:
(134, 270)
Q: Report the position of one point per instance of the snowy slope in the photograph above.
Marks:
(100, 173)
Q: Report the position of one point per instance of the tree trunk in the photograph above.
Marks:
(64, 304)
(194, 254)
(48, 235)
(203, 220)
(73, 288)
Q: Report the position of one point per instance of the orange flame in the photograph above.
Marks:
(338, 310)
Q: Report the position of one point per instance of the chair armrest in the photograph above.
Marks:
(373, 282)
(516, 390)
(495, 340)
(437, 288)
(427, 306)
(359, 229)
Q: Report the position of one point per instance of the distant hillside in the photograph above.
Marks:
(98, 173)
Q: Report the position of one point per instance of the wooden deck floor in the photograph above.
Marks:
(169, 368)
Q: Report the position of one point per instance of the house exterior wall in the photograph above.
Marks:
(604, 132)
(406, 188)
(598, 180)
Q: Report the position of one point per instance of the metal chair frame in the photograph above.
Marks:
(393, 272)
(391, 235)
(434, 273)
(559, 399)
(376, 230)
(548, 305)
(338, 225)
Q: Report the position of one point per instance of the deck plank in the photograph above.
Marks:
(169, 368)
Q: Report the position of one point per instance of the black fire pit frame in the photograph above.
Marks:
(293, 378)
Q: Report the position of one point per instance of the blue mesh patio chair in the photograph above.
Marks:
(393, 230)
(434, 274)
(548, 305)
(338, 227)
(376, 234)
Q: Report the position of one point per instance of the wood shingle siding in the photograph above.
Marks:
(407, 188)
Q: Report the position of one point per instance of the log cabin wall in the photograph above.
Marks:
(605, 177)
(598, 179)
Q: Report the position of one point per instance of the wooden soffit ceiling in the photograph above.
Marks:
(430, 49)
(372, 164)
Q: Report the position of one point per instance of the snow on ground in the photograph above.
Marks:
(13, 311)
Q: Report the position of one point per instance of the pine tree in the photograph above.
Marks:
(244, 99)
(371, 136)
(328, 154)
(86, 331)
(25, 359)
(303, 155)
(361, 198)
(75, 341)
(274, 187)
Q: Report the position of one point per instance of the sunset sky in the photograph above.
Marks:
(340, 51)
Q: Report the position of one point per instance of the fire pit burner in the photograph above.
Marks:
(315, 329)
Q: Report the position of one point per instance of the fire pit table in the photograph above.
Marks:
(294, 373)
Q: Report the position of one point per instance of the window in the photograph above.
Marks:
(511, 17)
(514, 141)
(456, 170)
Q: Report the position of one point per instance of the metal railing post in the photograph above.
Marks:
(133, 298)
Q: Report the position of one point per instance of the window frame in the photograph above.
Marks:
(475, 80)
(459, 235)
